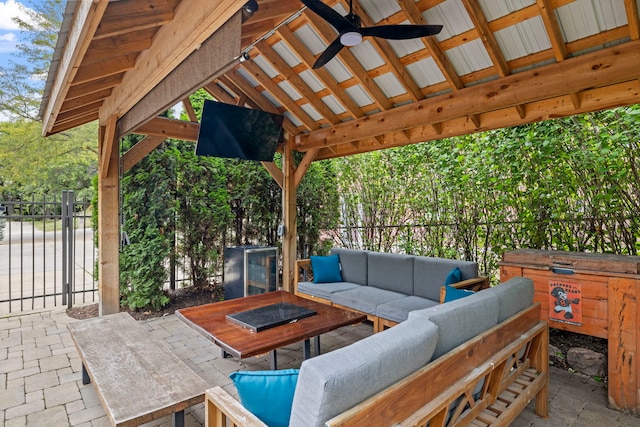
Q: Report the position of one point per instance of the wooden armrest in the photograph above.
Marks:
(301, 265)
(476, 284)
(221, 408)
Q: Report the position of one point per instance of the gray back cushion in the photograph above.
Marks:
(460, 320)
(430, 273)
(334, 382)
(393, 272)
(354, 265)
(514, 295)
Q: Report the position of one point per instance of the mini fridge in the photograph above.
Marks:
(250, 270)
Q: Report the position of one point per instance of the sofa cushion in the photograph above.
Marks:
(279, 386)
(365, 298)
(398, 310)
(514, 295)
(460, 320)
(393, 272)
(326, 269)
(354, 265)
(334, 382)
(429, 274)
(325, 290)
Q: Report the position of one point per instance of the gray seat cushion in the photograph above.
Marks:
(393, 272)
(334, 382)
(365, 298)
(325, 290)
(514, 295)
(430, 273)
(460, 320)
(353, 264)
(398, 310)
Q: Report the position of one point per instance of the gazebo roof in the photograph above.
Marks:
(494, 64)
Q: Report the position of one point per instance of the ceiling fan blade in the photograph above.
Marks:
(336, 20)
(328, 54)
(401, 32)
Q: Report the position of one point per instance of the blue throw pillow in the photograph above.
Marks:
(452, 294)
(326, 269)
(454, 276)
(267, 394)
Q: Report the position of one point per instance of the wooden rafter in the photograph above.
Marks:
(307, 93)
(323, 75)
(594, 69)
(351, 63)
(192, 24)
(282, 97)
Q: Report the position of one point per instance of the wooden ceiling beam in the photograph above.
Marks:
(188, 107)
(108, 67)
(102, 49)
(143, 147)
(70, 124)
(323, 75)
(276, 91)
(219, 93)
(631, 8)
(86, 19)
(600, 68)
(389, 56)
(548, 15)
(327, 33)
(170, 128)
(138, 15)
(92, 86)
(239, 84)
(214, 57)
(301, 86)
(72, 104)
(193, 23)
(595, 99)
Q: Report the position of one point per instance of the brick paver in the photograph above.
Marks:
(40, 380)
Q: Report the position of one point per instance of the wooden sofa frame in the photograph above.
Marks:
(486, 381)
(303, 266)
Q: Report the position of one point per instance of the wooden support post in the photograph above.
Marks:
(108, 223)
(289, 218)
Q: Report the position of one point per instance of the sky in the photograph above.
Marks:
(9, 31)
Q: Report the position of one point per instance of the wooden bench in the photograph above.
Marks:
(486, 381)
(136, 378)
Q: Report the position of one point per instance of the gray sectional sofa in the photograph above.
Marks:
(387, 287)
(483, 356)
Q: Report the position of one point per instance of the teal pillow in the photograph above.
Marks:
(454, 276)
(326, 269)
(452, 294)
(267, 394)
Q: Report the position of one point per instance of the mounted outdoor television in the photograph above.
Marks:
(238, 132)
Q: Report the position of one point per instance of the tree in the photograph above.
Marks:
(22, 83)
(33, 165)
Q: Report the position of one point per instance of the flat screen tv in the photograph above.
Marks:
(238, 132)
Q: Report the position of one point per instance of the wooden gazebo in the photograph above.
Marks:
(494, 64)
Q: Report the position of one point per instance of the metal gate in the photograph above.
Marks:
(47, 254)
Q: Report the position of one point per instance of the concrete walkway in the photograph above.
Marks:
(41, 385)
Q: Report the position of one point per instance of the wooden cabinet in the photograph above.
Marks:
(602, 290)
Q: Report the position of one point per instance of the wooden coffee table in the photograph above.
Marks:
(211, 321)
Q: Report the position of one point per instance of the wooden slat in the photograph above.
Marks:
(597, 69)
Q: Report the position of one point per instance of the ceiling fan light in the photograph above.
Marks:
(351, 38)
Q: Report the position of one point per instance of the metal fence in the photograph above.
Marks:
(47, 254)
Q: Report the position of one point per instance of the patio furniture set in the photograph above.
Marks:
(482, 357)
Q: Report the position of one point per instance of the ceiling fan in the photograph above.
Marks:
(351, 31)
